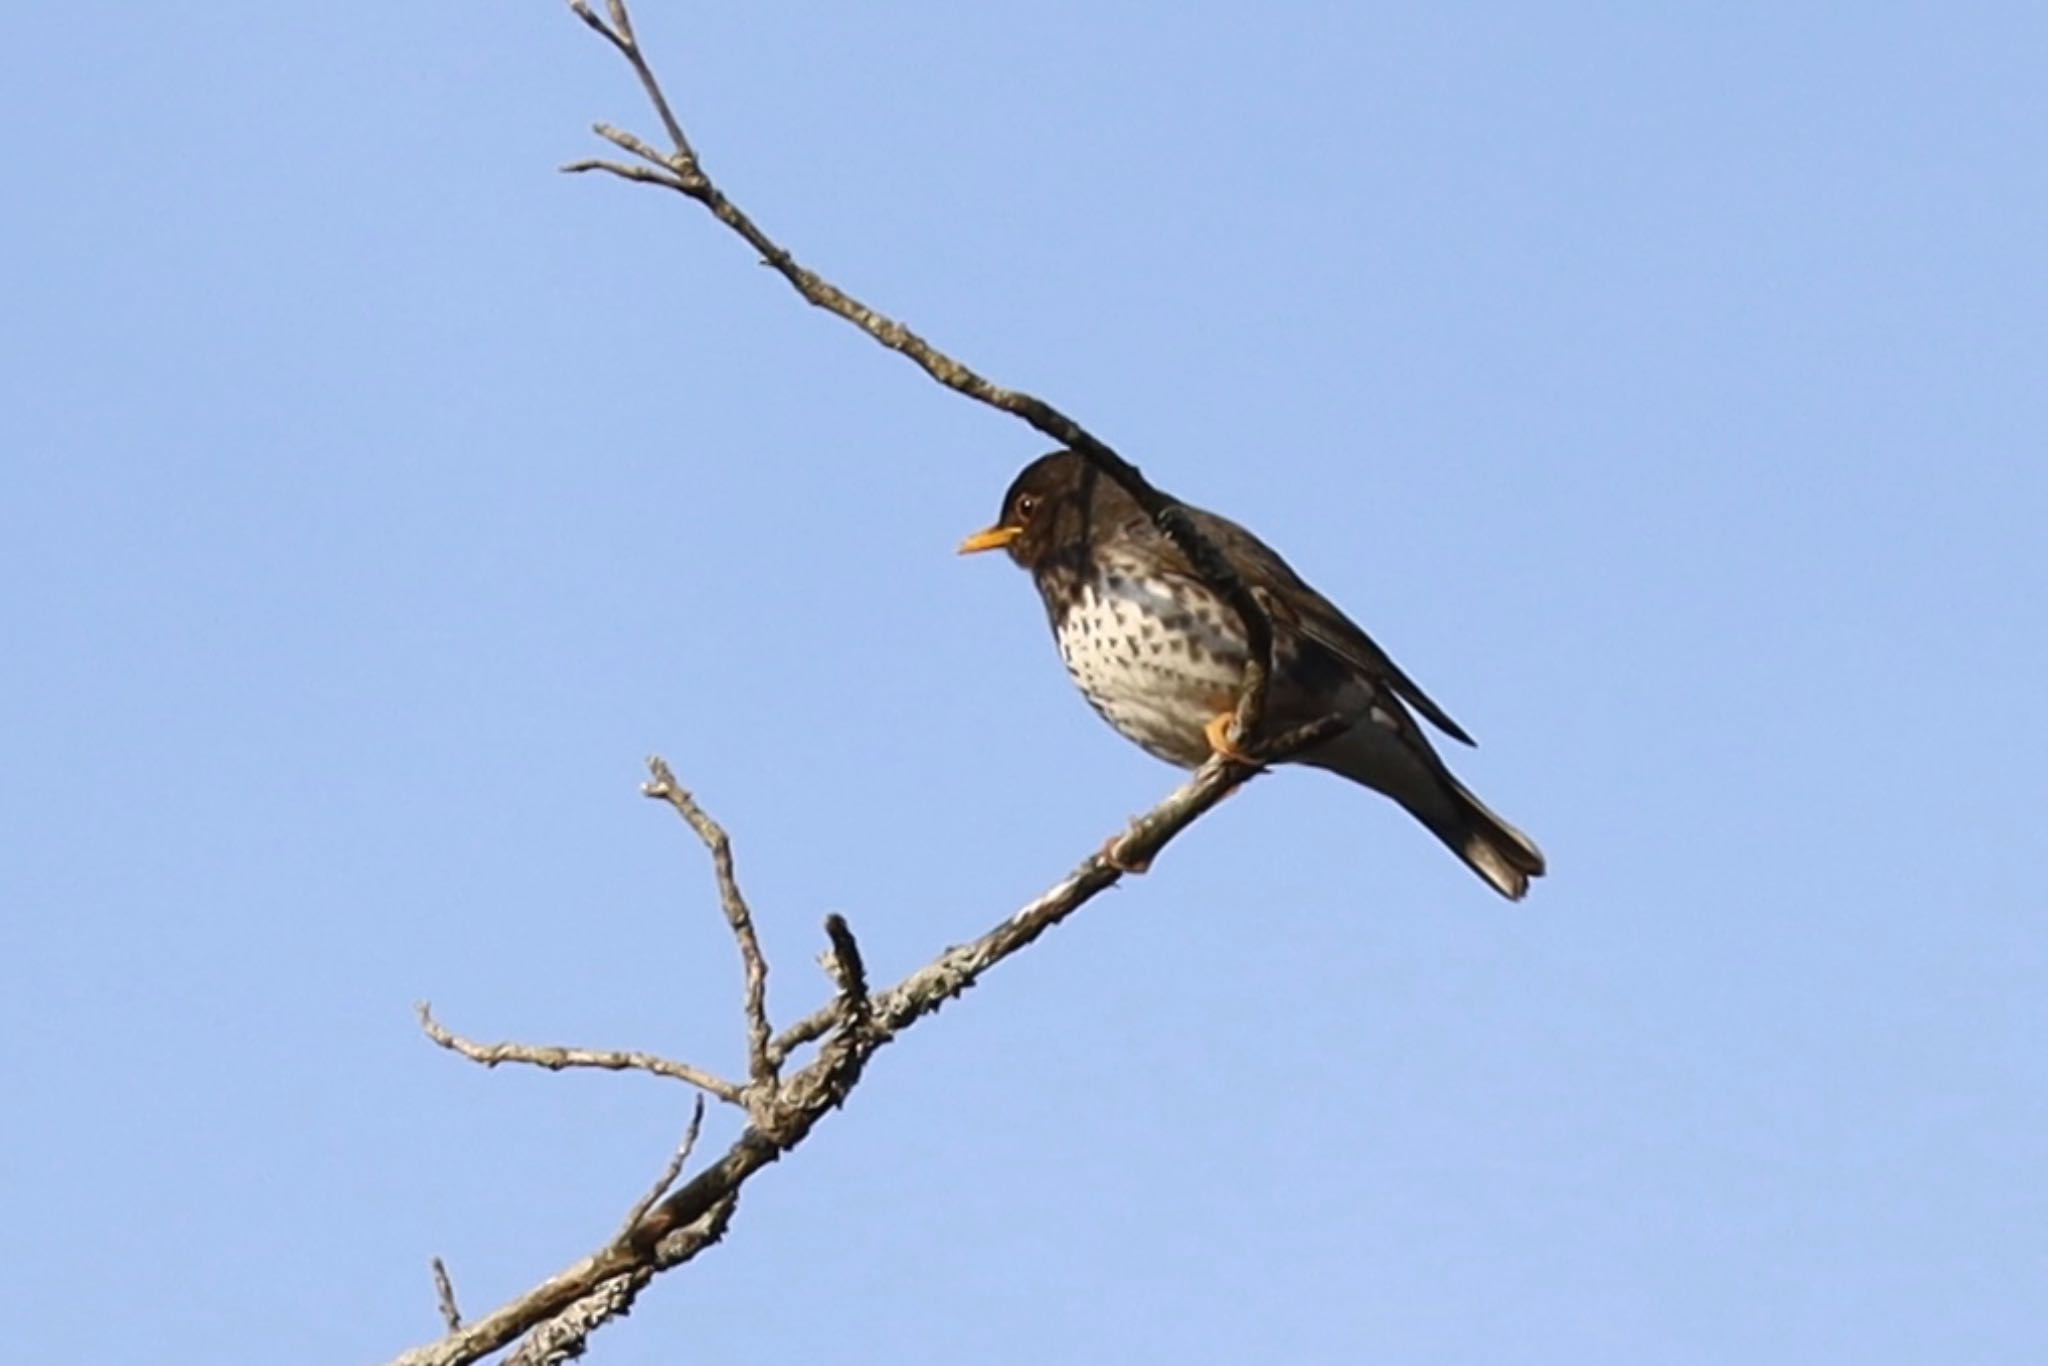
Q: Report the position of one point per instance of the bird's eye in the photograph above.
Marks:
(1026, 505)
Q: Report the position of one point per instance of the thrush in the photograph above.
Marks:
(1161, 655)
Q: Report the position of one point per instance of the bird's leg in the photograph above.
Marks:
(1223, 742)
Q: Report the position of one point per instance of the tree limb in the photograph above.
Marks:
(671, 1226)
(688, 178)
(693, 1217)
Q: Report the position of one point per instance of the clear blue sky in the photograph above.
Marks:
(1664, 385)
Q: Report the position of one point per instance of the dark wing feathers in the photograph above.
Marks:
(1270, 577)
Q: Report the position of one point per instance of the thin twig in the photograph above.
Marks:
(684, 169)
(662, 786)
(645, 174)
(565, 1336)
(690, 180)
(444, 1290)
(621, 36)
(556, 1058)
(668, 1174)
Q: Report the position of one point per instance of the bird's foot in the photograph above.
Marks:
(1221, 731)
(1110, 856)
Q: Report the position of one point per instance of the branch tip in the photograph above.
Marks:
(847, 969)
(444, 1293)
(662, 786)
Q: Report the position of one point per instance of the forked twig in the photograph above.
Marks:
(687, 177)
(662, 786)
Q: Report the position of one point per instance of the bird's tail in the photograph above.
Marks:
(1397, 761)
(1492, 848)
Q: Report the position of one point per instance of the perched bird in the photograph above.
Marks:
(1161, 655)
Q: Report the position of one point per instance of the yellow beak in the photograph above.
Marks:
(995, 538)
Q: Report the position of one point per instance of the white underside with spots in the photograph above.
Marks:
(1157, 667)
(1159, 659)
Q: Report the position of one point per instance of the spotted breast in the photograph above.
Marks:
(1157, 657)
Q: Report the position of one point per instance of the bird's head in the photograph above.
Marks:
(1051, 506)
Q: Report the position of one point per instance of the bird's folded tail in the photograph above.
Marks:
(1492, 848)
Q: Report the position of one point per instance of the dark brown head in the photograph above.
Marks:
(1052, 508)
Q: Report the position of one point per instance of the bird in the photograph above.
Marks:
(1161, 655)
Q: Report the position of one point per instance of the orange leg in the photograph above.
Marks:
(1219, 730)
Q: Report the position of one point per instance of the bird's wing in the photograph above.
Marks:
(1289, 600)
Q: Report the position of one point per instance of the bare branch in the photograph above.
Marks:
(566, 1336)
(645, 174)
(556, 1058)
(684, 170)
(668, 1174)
(693, 1217)
(691, 181)
(563, 1337)
(621, 36)
(444, 1292)
(589, 16)
(664, 787)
